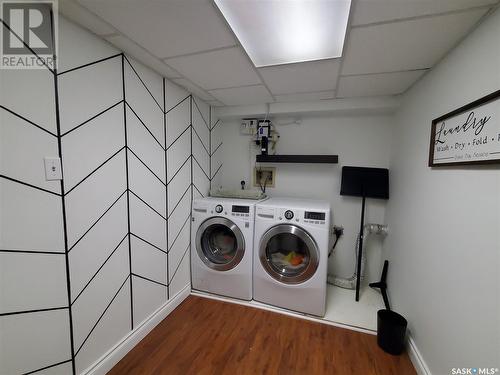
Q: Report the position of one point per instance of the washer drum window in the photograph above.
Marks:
(220, 243)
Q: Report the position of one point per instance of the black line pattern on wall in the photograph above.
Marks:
(165, 153)
(99, 219)
(145, 165)
(102, 315)
(145, 126)
(90, 64)
(210, 153)
(148, 205)
(148, 279)
(203, 170)
(48, 367)
(27, 184)
(145, 86)
(92, 118)
(27, 121)
(180, 231)
(192, 186)
(63, 201)
(128, 206)
(213, 151)
(217, 171)
(100, 267)
(147, 242)
(95, 170)
(34, 311)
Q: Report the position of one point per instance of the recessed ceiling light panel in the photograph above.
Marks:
(287, 31)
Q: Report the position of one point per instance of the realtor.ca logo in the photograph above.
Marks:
(29, 34)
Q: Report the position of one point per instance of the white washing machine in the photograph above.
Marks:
(291, 254)
(221, 246)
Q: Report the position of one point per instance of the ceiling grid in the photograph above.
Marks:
(389, 45)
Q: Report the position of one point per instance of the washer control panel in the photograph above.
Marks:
(239, 210)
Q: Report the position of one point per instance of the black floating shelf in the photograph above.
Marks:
(322, 159)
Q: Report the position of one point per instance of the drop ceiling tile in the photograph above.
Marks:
(216, 69)
(243, 95)
(407, 45)
(377, 84)
(305, 97)
(302, 77)
(77, 13)
(369, 11)
(193, 89)
(133, 49)
(215, 103)
(166, 28)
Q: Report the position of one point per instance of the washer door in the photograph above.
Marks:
(220, 243)
(289, 254)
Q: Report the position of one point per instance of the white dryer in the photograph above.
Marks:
(221, 246)
(291, 254)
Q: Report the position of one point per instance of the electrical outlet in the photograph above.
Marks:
(264, 176)
(53, 170)
(337, 231)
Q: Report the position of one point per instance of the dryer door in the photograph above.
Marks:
(220, 243)
(289, 254)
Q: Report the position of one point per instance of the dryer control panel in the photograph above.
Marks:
(225, 209)
(220, 208)
(297, 216)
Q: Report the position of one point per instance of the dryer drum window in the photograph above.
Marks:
(220, 243)
(289, 254)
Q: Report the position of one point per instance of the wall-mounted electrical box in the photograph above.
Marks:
(264, 176)
(53, 170)
(249, 126)
(264, 129)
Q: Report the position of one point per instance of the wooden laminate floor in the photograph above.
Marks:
(204, 336)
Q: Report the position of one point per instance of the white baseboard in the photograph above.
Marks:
(116, 353)
(416, 358)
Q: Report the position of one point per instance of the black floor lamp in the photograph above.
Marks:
(365, 183)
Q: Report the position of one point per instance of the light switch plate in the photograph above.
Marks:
(53, 169)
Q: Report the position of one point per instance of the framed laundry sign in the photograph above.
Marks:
(467, 135)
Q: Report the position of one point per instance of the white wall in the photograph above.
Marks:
(358, 140)
(444, 245)
(135, 150)
(32, 260)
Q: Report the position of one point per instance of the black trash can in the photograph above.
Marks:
(391, 331)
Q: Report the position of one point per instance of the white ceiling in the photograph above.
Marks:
(389, 45)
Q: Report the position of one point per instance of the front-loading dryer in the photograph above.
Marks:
(221, 246)
(291, 254)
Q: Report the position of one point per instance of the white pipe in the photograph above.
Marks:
(350, 282)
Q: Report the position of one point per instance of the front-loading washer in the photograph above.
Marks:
(221, 246)
(291, 254)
